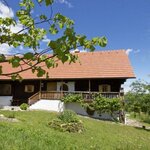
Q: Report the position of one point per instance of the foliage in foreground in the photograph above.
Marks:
(32, 132)
(67, 121)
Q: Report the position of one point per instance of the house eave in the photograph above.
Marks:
(79, 78)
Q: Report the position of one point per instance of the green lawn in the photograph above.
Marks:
(33, 133)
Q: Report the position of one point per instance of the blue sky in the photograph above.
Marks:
(125, 23)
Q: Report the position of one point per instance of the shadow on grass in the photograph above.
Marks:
(143, 128)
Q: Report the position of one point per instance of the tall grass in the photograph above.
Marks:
(141, 117)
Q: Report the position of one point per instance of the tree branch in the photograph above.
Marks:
(23, 70)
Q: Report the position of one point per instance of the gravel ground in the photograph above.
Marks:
(135, 123)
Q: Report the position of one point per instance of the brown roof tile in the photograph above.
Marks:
(98, 64)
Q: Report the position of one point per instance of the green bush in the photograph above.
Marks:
(72, 98)
(69, 127)
(106, 105)
(24, 106)
(67, 121)
(68, 116)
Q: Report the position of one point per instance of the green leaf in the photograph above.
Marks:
(20, 78)
(49, 63)
(43, 17)
(40, 1)
(33, 70)
(64, 59)
(15, 61)
(53, 29)
(102, 42)
(61, 25)
(53, 44)
(29, 56)
(47, 75)
(40, 72)
(2, 57)
(49, 2)
(14, 77)
(15, 44)
(43, 57)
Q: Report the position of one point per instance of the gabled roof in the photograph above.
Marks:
(98, 64)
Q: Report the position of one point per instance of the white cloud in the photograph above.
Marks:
(16, 28)
(5, 49)
(5, 11)
(128, 51)
(65, 2)
(83, 50)
(79, 50)
(46, 39)
(135, 51)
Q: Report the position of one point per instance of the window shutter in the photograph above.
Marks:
(100, 88)
(108, 88)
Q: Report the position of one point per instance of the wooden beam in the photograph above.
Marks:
(40, 85)
(89, 85)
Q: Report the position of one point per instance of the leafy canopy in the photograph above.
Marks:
(32, 34)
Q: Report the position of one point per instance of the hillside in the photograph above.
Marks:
(32, 132)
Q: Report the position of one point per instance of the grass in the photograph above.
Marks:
(33, 133)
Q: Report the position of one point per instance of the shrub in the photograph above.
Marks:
(70, 127)
(68, 116)
(24, 106)
(108, 105)
(67, 121)
(72, 98)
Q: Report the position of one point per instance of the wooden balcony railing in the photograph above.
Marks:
(57, 95)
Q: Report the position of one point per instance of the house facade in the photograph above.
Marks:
(100, 71)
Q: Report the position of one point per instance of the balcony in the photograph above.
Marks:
(57, 95)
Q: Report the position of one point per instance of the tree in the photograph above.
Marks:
(33, 33)
(138, 98)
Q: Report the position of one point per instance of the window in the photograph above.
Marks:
(64, 87)
(29, 88)
(5, 89)
(104, 88)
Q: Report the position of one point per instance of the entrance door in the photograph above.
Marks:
(64, 87)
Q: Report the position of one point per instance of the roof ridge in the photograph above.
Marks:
(103, 51)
